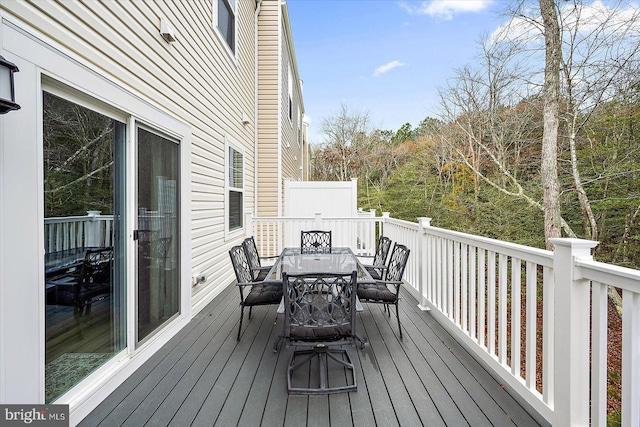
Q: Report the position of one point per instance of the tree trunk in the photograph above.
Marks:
(549, 167)
(588, 218)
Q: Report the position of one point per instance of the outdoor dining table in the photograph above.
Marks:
(341, 260)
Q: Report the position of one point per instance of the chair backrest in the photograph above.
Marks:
(397, 263)
(240, 264)
(320, 307)
(251, 250)
(382, 252)
(315, 241)
(97, 267)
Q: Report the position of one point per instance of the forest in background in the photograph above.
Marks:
(477, 167)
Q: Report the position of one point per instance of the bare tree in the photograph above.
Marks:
(601, 45)
(339, 157)
(551, 120)
(495, 120)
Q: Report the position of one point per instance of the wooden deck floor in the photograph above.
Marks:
(204, 377)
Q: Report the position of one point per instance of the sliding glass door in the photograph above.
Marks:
(158, 290)
(84, 229)
(88, 188)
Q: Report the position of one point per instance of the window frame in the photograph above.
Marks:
(232, 51)
(228, 188)
(290, 91)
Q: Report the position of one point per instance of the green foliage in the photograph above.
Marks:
(418, 178)
(78, 159)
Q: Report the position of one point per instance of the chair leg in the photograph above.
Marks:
(398, 317)
(240, 325)
(276, 343)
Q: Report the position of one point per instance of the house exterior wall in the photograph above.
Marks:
(195, 90)
(269, 88)
(281, 149)
(292, 123)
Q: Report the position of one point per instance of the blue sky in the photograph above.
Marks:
(384, 57)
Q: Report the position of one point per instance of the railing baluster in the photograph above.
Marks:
(548, 322)
(531, 324)
(482, 287)
(438, 267)
(449, 279)
(456, 282)
(464, 285)
(473, 300)
(516, 282)
(491, 303)
(502, 310)
(599, 300)
(630, 358)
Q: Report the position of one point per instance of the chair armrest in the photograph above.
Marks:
(264, 282)
(380, 266)
(245, 284)
(394, 283)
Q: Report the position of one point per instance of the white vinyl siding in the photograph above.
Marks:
(268, 108)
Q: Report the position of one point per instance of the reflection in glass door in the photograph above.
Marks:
(157, 234)
(84, 267)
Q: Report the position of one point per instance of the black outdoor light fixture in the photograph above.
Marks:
(7, 93)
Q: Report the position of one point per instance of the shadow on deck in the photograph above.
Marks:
(204, 377)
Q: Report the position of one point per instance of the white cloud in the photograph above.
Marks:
(387, 67)
(444, 9)
(589, 18)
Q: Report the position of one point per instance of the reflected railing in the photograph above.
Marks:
(71, 232)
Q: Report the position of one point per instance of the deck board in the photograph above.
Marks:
(205, 377)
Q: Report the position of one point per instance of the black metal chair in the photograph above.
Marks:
(378, 266)
(258, 271)
(386, 291)
(95, 279)
(320, 316)
(315, 242)
(260, 293)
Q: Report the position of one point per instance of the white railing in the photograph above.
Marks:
(272, 234)
(508, 304)
(70, 232)
(601, 276)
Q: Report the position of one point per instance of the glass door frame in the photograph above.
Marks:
(86, 100)
(134, 300)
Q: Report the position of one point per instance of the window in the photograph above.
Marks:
(235, 188)
(225, 19)
(290, 81)
(299, 127)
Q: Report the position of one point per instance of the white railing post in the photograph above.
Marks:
(248, 225)
(318, 221)
(630, 358)
(385, 217)
(92, 232)
(571, 333)
(423, 256)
